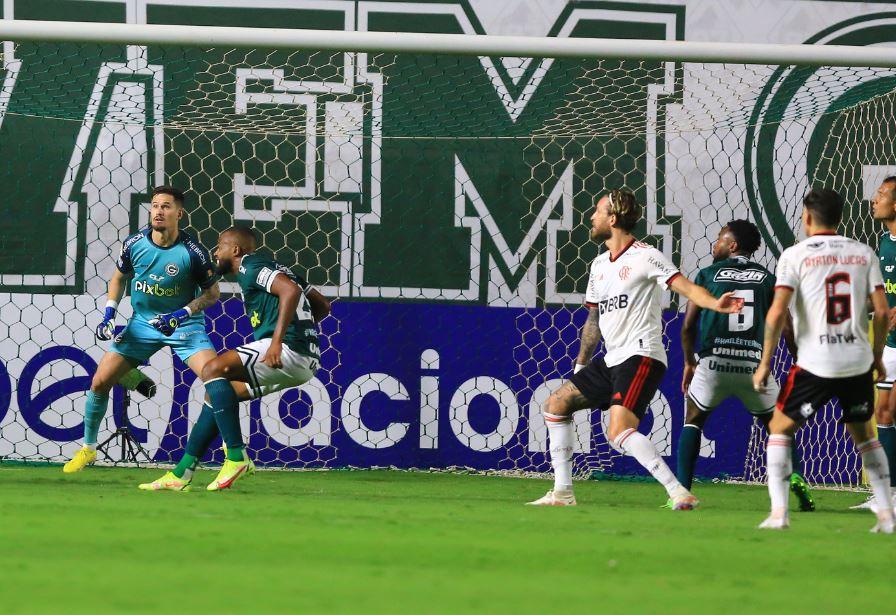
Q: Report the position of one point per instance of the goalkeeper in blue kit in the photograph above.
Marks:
(171, 281)
(283, 311)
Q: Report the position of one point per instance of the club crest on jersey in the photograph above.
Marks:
(740, 275)
(171, 269)
(889, 268)
(806, 410)
(625, 272)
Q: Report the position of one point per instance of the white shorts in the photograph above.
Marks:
(889, 359)
(263, 380)
(715, 380)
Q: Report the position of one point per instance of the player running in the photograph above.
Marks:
(624, 298)
(828, 279)
(172, 281)
(730, 348)
(283, 311)
(883, 208)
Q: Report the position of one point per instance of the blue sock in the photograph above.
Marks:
(225, 406)
(93, 416)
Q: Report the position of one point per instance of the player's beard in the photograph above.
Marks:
(597, 235)
(223, 267)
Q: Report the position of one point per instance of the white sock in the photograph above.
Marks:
(779, 467)
(641, 448)
(188, 474)
(90, 446)
(560, 439)
(874, 460)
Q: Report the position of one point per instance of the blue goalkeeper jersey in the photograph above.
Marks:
(165, 279)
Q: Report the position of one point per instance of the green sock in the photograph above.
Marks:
(225, 405)
(185, 466)
(688, 448)
(204, 431)
(886, 434)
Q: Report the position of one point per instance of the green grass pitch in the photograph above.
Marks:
(381, 541)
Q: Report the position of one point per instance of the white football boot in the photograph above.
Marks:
(555, 498)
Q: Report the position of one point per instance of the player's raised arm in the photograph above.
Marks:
(589, 339)
(726, 304)
(114, 292)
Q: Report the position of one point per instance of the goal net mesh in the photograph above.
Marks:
(441, 200)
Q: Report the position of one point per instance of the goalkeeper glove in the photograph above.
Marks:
(167, 323)
(106, 328)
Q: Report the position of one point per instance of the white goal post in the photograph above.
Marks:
(435, 184)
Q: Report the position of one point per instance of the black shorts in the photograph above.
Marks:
(804, 394)
(632, 383)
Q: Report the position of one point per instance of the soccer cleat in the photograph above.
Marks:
(230, 472)
(81, 460)
(775, 523)
(884, 525)
(871, 504)
(800, 488)
(251, 469)
(555, 498)
(868, 504)
(685, 502)
(168, 482)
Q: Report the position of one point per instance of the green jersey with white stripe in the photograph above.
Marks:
(735, 336)
(255, 277)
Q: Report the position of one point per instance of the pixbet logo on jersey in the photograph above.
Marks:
(156, 289)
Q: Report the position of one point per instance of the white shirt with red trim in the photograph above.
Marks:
(627, 289)
(831, 277)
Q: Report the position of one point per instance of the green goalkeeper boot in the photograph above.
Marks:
(800, 488)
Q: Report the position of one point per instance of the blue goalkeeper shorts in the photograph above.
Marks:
(139, 340)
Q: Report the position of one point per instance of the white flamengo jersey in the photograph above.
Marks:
(627, 289)
(831, 277)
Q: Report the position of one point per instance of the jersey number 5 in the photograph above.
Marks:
(839, 304)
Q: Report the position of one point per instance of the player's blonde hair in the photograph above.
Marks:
(623, 205)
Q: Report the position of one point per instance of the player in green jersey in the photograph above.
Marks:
(883, 209)
(283, 311)
(730, 346)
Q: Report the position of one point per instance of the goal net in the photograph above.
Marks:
(441, 199)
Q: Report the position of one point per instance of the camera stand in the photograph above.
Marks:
(123, 437)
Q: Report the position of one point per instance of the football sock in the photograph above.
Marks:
(874, 461)
(201, 436)
(186, 465)
(886, 434)
(560, 435)
(94, 412)
(688, 448)
(225, 407)
(641, 448)
(779, 469)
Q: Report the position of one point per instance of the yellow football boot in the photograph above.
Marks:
(81, 460)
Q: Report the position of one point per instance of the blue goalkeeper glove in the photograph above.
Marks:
(167, 323)
(106, 328)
